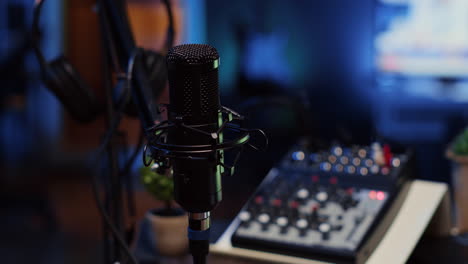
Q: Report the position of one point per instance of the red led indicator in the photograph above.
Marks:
(380, 196)
(315, 178)
(315, 207)
(373, 195)
(333, 180)
(350, 191)
(277, 202)
(258, 200)
(294, 204)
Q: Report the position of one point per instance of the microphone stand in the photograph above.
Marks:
(113, 192)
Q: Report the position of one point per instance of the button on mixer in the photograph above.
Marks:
(363, 171)
(374, 169)
(297, 156)
(362, 153)
(344, 160)
(282, 222)
(325, 166)
(321, 196)
(338, 168)
(350, 169)
(325, 229)
(244, 216)
(302, 194)
(264, 218)
(302, 223)
(368, 162)
(338, 151)
(356, 161)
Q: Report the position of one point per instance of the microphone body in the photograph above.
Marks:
(194, 102)
(192, 139)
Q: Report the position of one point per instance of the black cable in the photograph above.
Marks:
(100, 152)
(199, 250)
(115, 185)
(126, 173)
(171, 29)
(115, 117)
(199, 259)
(108, 221)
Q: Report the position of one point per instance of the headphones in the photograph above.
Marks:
(65, 82)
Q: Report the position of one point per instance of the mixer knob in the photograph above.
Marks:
(282, 222)
(302, 225)
(362, 153)
(356, 161)
(350, 169)
(302, 194)
(321, 196)
(337, 151)
(344, 160)
(396, 162)
(297, 156)
(264, 218)
(332, 159)
(374, 169)
(325, 166)
(324, 229)
(363, 171)
(338, 168)
(244, 216)
(385, 171)
(368, 162)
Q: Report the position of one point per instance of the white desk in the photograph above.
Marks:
(424, 202)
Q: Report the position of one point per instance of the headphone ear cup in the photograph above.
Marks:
(72, 91)
(156, 72)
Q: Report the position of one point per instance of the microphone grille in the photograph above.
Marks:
(192, 54)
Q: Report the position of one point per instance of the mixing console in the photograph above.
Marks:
(323, 205)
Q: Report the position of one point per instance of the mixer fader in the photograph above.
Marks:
(323, 204)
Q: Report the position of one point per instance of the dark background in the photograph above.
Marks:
(294, 68)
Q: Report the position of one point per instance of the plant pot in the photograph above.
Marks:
(460, 189)
(170, 230)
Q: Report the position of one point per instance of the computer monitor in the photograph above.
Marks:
(422, 37)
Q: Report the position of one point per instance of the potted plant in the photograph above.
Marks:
(169, 223)
(458, 153)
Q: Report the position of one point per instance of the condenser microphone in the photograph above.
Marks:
(192, 141)
(194, 103)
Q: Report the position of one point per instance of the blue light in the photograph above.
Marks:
(298, 155)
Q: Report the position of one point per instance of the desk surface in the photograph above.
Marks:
(418, 209)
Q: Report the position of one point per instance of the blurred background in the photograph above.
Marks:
(339, 71)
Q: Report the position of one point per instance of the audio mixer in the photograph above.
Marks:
(327, 205)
